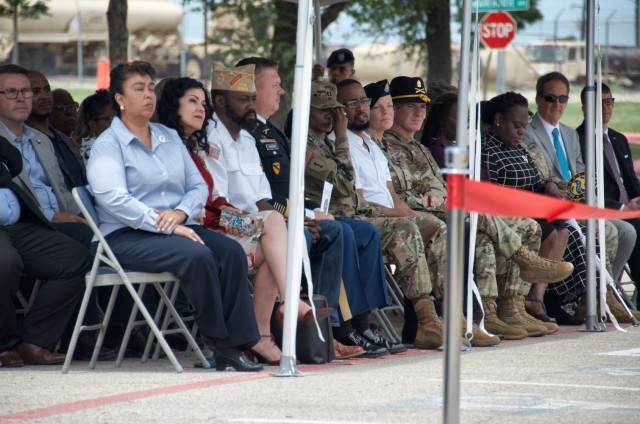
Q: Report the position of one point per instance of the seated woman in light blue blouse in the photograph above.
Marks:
(148, 192)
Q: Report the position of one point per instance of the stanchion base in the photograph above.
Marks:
(592, 325)
(288, 368)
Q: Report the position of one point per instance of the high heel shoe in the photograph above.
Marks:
(264, 350)
(543, 316)
(232, 358)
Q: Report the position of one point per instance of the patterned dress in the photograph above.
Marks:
(514, 166)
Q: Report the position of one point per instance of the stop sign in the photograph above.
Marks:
(497, 30)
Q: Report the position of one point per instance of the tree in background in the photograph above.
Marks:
(266, 29)
(118, 32)
(423, 26)
(18, 10)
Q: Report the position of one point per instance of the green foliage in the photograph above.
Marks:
(252, 38)
(25, 9)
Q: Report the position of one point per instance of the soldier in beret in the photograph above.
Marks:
(341, 64)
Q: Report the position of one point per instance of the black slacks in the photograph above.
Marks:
(213, 276)
(61, 262)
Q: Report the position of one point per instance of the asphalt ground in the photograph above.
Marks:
(569, 377)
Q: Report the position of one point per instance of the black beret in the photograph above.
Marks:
(408, 90)
(340, 57)
(375, 90)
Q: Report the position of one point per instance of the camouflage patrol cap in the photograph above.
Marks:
(240, 78)
(340, 57)
(323, 95)
(408, 90)
(375, 90)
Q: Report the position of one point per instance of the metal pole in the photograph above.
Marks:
(591, 322)
(458, 164)
(555, 24)
(606, 56)
(500, 71)
(317, 34)
(79, 44)
(296, 240)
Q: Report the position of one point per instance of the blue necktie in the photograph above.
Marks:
(562, 158)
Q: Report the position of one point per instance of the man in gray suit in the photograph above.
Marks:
(560, 147)
(41, 175)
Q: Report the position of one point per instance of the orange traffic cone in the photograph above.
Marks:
(102, 74)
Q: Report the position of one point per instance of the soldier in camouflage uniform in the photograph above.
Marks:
(402, 239)
(417, 179)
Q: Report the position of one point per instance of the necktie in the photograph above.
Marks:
(562, 158)
(613, 164)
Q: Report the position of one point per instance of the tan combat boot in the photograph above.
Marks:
(495, 325)
(480, 338)
(509, 312)
(616, 307)
(551, 327)
(536, 269)
(430, 332)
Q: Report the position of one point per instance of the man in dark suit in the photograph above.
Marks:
(30, 245)
(560, 147)
(621, 185)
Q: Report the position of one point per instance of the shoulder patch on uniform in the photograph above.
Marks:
(308, 158)
(276, 168)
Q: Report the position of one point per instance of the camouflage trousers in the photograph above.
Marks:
(417, 246)
(498, 239)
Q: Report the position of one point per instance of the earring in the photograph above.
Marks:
(121, 107)
(497, 125)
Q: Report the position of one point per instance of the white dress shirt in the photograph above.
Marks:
(237, 171)
(371, 169)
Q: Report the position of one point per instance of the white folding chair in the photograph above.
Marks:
(107, 271)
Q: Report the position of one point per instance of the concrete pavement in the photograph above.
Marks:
(570, 377)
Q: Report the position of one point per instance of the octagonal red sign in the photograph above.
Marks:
(497, 30)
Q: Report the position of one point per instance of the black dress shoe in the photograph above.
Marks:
(234, 359)
(372, 351)
(374, 337)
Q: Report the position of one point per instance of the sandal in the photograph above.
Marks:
(543, 316)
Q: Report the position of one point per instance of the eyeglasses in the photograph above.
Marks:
(63, 107)
(608, 102)
(104, 118)
(12, 93)
(352, 104)
(551, 98)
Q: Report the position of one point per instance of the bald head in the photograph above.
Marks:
(42, 100)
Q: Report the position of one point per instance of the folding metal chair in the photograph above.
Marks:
(396, 307)
(107, 271)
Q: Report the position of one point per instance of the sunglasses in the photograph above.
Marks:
(551, 98)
